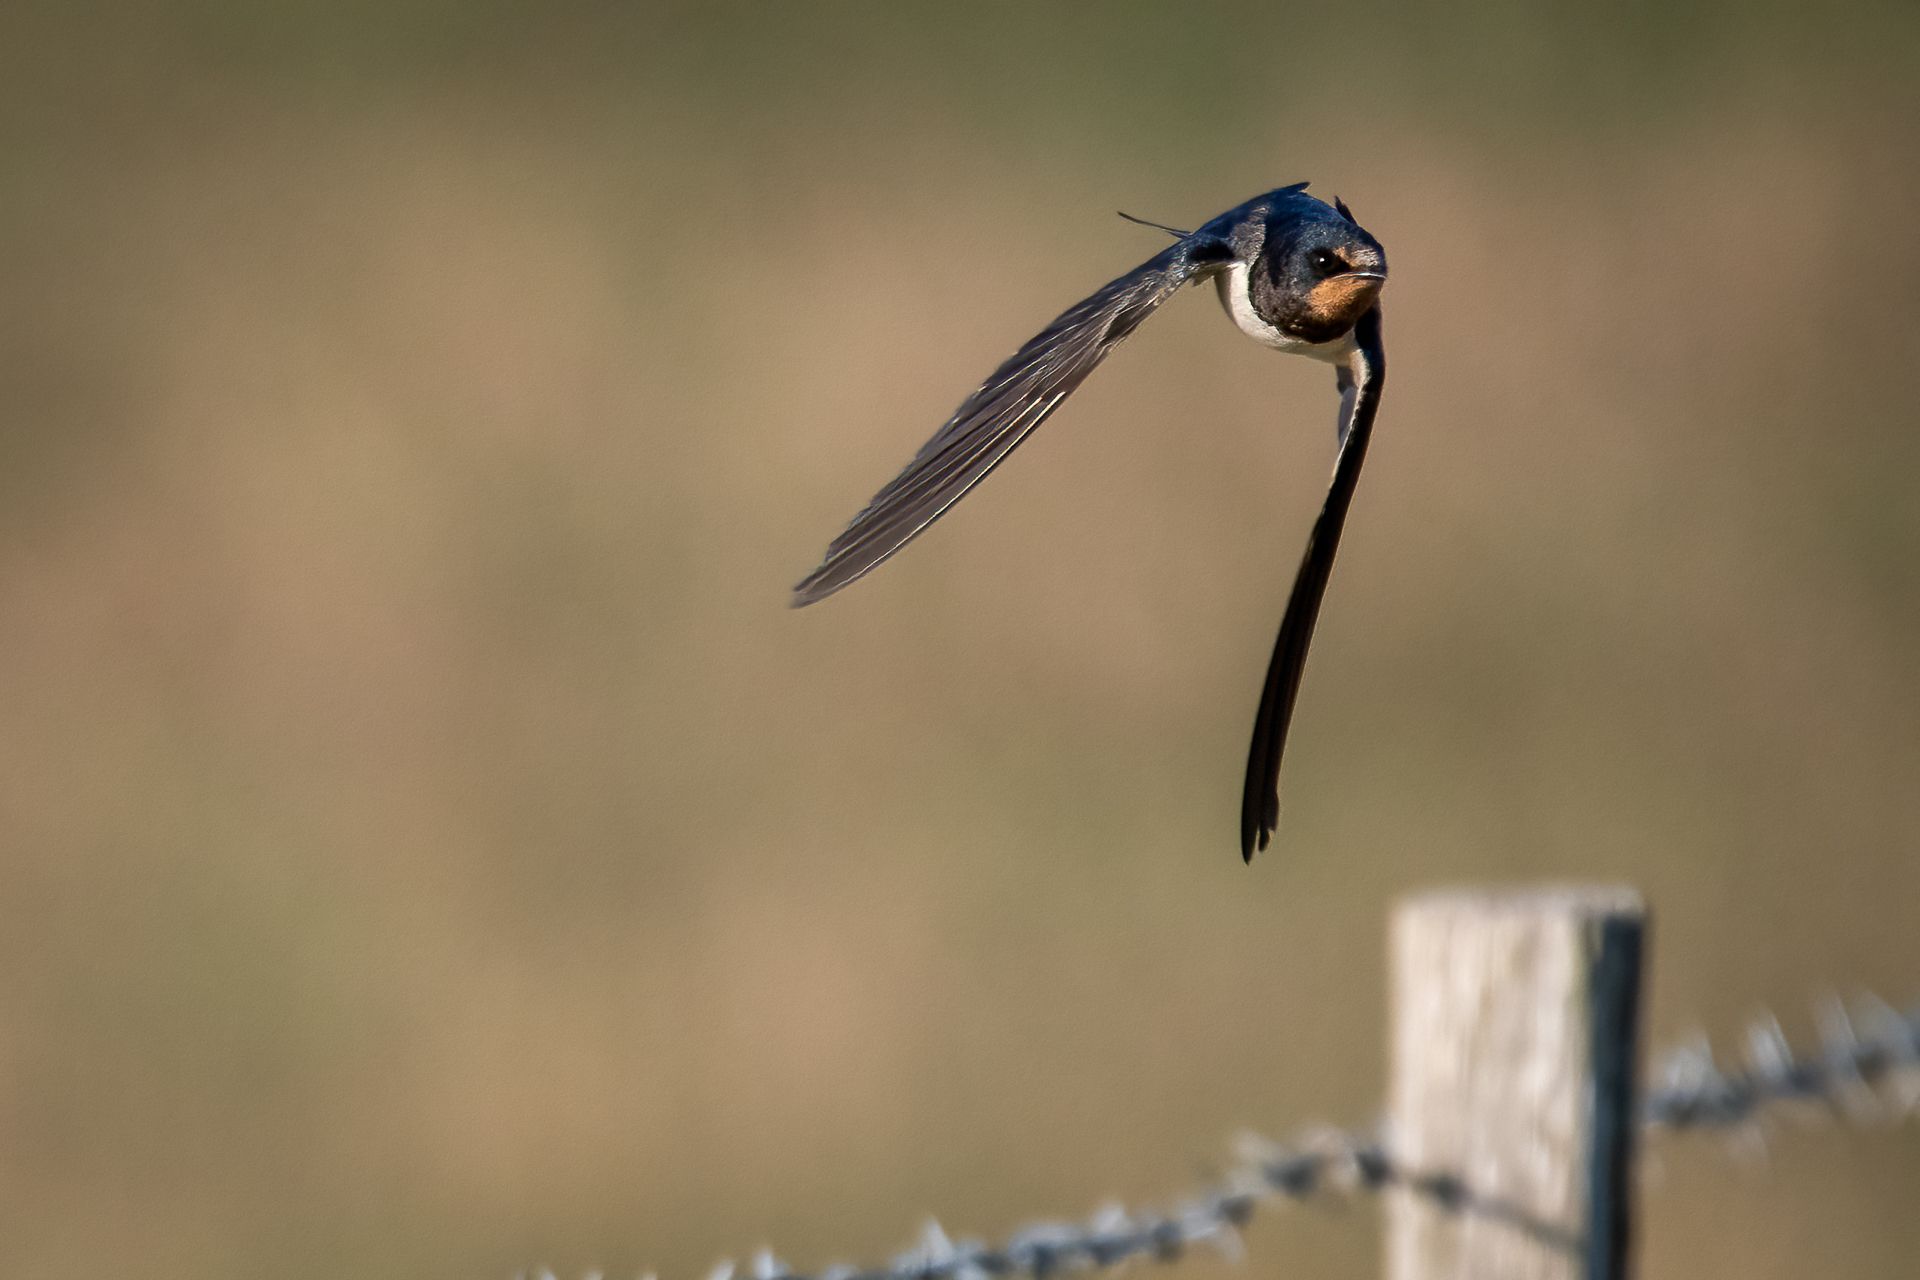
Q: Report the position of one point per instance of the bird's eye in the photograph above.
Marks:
(1328, 263)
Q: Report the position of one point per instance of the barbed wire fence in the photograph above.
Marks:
(1863, 1069)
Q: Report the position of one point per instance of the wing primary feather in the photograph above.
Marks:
(938, 479)
(1260, 798)
(919, 503)
(1017, 397)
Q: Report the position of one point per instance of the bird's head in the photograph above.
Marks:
(1322, 272)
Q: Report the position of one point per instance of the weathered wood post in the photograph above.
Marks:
(1515, 1027)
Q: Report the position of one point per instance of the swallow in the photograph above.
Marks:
(1293, 273)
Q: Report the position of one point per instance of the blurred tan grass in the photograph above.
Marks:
(434, 848)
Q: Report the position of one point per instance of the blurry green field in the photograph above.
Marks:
(432, 847)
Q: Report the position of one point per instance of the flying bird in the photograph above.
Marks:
(1293, 273)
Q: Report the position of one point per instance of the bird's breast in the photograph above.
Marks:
(1237, 300)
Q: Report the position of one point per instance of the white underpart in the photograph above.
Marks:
(1238, 301)
(1349, 396)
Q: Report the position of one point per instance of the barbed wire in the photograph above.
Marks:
(1866, 1068)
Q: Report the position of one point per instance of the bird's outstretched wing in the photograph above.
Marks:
(1360, 381)
(1009, 404)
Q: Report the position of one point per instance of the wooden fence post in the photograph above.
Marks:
(1515, 1028)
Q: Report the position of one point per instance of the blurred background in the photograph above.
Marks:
(432, 847)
